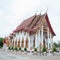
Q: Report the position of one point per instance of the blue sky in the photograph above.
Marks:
(13, 12)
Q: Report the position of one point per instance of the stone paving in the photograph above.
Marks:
(10, 55)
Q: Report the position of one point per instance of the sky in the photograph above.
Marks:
(13, 12)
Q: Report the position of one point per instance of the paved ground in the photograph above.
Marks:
(5, 55)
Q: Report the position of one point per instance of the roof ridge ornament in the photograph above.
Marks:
(46, 11)
(36, 13)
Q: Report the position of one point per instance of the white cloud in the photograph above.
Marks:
(1, 12)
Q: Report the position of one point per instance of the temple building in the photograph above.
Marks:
(34, 32)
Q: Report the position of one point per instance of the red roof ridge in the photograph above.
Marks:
(49, 24)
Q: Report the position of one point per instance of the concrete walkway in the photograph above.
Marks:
(6, 55)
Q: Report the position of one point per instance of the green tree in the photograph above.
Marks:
(56, 44)
(1, 39)
(59, 44)
(44, 49)
(54, 49)
(1, 42)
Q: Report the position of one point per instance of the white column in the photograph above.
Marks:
(14, 43)
(39, 35)
(17, 42)
(39, 38)
(25, 41)
(42, 35)
(36, 40)
(20, 36)
(51, 40)
(20, 42)
(48, 36)
(29, 42)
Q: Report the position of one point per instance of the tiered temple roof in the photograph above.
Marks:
(33, 23)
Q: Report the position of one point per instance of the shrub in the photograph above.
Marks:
(35, 49)
(10, 48)
(54, 49)
(44, 49)
(25, 49)
(0, 46)
(1, 42)
(13, 48)
(20, 48)
(16, 48)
